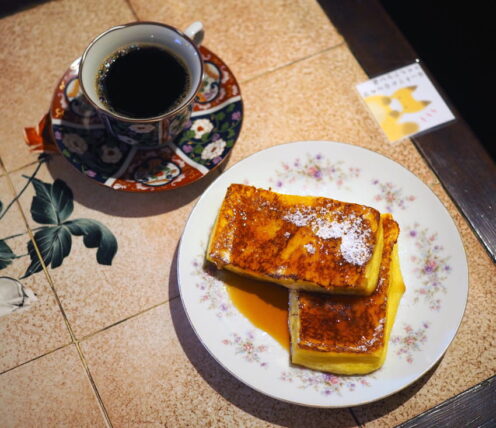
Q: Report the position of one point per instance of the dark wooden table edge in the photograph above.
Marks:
(454, 154)
(452, 151)
(475, 407)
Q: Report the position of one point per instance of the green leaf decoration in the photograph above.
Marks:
(189, 134)
(52, 203)
(96, 235)
(54, 243)
(6, 254)
(198, 149)
(230, 108)
(220, 116)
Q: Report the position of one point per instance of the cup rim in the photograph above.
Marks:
(173, 112)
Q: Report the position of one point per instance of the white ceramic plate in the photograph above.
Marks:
(432, 260)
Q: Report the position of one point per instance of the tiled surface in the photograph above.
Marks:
(48, 392)
(40, 328)
(152, 369)
(297, 81)
(147, 228)
(252, 37)
(37, 45)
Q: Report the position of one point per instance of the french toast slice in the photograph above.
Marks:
(348, 334)
(301, 242)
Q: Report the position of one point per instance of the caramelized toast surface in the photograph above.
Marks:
(301, 242)
(348, 334)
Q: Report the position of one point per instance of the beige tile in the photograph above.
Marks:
(153, 369)
(35, 330)
(51, 391)
(315, 99)
(147, 228)
(38, 44)
(250, 36)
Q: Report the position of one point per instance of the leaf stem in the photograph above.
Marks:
(24, 188)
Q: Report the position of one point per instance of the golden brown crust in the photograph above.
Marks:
(352, 324)
(277, 236)
(282, 237)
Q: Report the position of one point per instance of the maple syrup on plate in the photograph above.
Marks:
(264, 304)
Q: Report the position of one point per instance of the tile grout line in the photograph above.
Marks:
(103, 409)
(130, 317)
(19, 167)
(36, 358)
(74, 340)
(42, 262)
(130, 6)
(288, 64)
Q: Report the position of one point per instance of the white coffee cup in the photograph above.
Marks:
(150, 131)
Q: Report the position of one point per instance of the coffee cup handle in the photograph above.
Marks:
(195, 32)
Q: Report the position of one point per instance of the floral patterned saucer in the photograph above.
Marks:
(432, 258)
(205, 143)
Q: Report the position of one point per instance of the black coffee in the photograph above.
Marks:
(142, 81)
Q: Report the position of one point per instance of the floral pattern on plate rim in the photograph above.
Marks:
(391, 196)
(213, 292)
(317, 382)
(431, 266)
(410, 342)
(317, 169)
(325, 383)
(247, 347)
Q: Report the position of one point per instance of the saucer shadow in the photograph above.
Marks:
(127, 204)
(234, 391)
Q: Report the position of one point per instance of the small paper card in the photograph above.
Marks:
(404, 102)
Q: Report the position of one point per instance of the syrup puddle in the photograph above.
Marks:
(264, 304)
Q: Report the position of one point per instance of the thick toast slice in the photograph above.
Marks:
(301, 242)
(348, 334)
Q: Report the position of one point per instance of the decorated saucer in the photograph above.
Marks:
(204, 144)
